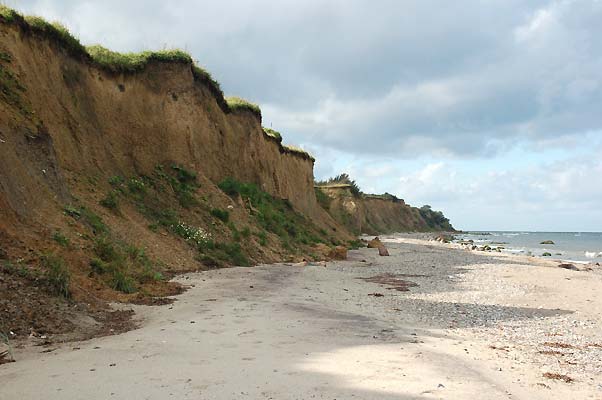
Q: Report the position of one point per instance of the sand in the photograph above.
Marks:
(469, 326)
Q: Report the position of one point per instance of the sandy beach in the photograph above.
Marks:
(429, 322)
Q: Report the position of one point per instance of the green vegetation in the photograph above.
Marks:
(18, 269)
(236, 104)
(60, 239)
(273, 134)
(87, 217)
(57, 275)
(107, 59)
(355, 244)
(123, 267)
(435, 219)
(133, 62)
(110, 201)
(342, 179)
(10, 87)
(218, 213)
(57, 32)
(324, 200)
(8, 14)
(274, 215)
(297, 150)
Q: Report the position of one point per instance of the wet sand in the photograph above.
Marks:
(429, 322)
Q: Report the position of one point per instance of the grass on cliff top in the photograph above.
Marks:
(236, 104)
(273, 134)
(297, 150)
(104, 58)
(131, 62)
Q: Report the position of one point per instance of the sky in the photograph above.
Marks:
(490, 111)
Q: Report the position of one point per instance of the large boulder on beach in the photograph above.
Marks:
(375, 243)
(338, 253)
(382, 251)
(547, 242)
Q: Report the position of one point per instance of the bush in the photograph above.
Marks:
(110, 201)
(57, 275)
(87, 217)
(323, 199)
(60, 239)
(123, 266)
(220, 214)
(273, 215)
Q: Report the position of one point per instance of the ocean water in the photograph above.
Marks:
(568, 246)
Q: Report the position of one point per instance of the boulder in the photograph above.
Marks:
(322, 251)
(382, 251)
(338, 253)
(547, 242)
(375, 243)
(546, 254)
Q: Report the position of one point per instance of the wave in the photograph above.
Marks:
(593, 254)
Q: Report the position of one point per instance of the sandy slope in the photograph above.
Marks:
(473, 328)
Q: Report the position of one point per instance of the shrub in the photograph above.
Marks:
(123, 266)
(110, 201)
(60, 239)
(324, 200)
(246, 232)
(116, 181)
(57, 275)
(87, 217)
(220, 214)
(263, 238)
(342, 179)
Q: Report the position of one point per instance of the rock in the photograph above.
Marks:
(568, 266)
(443, 238)
(547, 242)
(546, 254)
(382, 251)
(322, 251)
(375, 243)
(338, 253)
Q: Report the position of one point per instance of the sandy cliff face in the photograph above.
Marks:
(93, 122)
(374, 215)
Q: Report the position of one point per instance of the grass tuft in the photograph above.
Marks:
(58, 32)
(57, 275)
(133, 62)
(273, 134)
(299, 151)
(220, 214)
(238, 104)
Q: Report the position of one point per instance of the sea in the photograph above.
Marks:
(580, 247)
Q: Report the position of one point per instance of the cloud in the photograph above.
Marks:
(408, 97)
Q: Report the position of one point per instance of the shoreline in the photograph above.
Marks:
(430, 239)
(430, 321)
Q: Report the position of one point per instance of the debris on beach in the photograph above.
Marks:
(568, 266)
(391, 280)
(558, 377)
